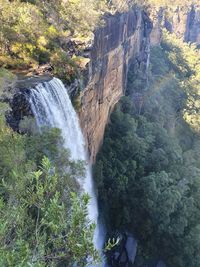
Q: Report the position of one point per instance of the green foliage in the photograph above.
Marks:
(21, 27)
(64, 67)
(43, 222)
(148, 170)
(184, 60)
(37, 32)
(38, 226)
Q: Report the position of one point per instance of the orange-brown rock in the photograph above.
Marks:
(123, 38)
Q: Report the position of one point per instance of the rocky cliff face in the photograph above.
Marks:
(19, 99)
(192, 33)
(123, 38)
(183, 21)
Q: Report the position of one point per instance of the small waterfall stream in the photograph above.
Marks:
(52, 107)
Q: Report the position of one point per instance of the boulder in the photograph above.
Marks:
(124, 254)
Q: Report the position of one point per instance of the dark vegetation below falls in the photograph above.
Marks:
(148, 169)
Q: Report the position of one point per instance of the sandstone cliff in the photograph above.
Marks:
(183, 21)
(123, 38)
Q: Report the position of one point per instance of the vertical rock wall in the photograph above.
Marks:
(183, 21)
(192, 33)
(123, 38)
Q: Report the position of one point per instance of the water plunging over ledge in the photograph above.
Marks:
(52, 107)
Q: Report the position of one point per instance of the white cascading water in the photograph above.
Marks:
(52, 107)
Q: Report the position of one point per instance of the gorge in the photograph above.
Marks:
(108, 68)
(137, 101)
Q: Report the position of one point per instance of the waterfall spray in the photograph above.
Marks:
(52, 107)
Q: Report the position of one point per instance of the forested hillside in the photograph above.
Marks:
(148, 170)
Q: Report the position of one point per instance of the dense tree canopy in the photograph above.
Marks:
(148, 171)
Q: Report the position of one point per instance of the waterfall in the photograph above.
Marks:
(52, 107)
